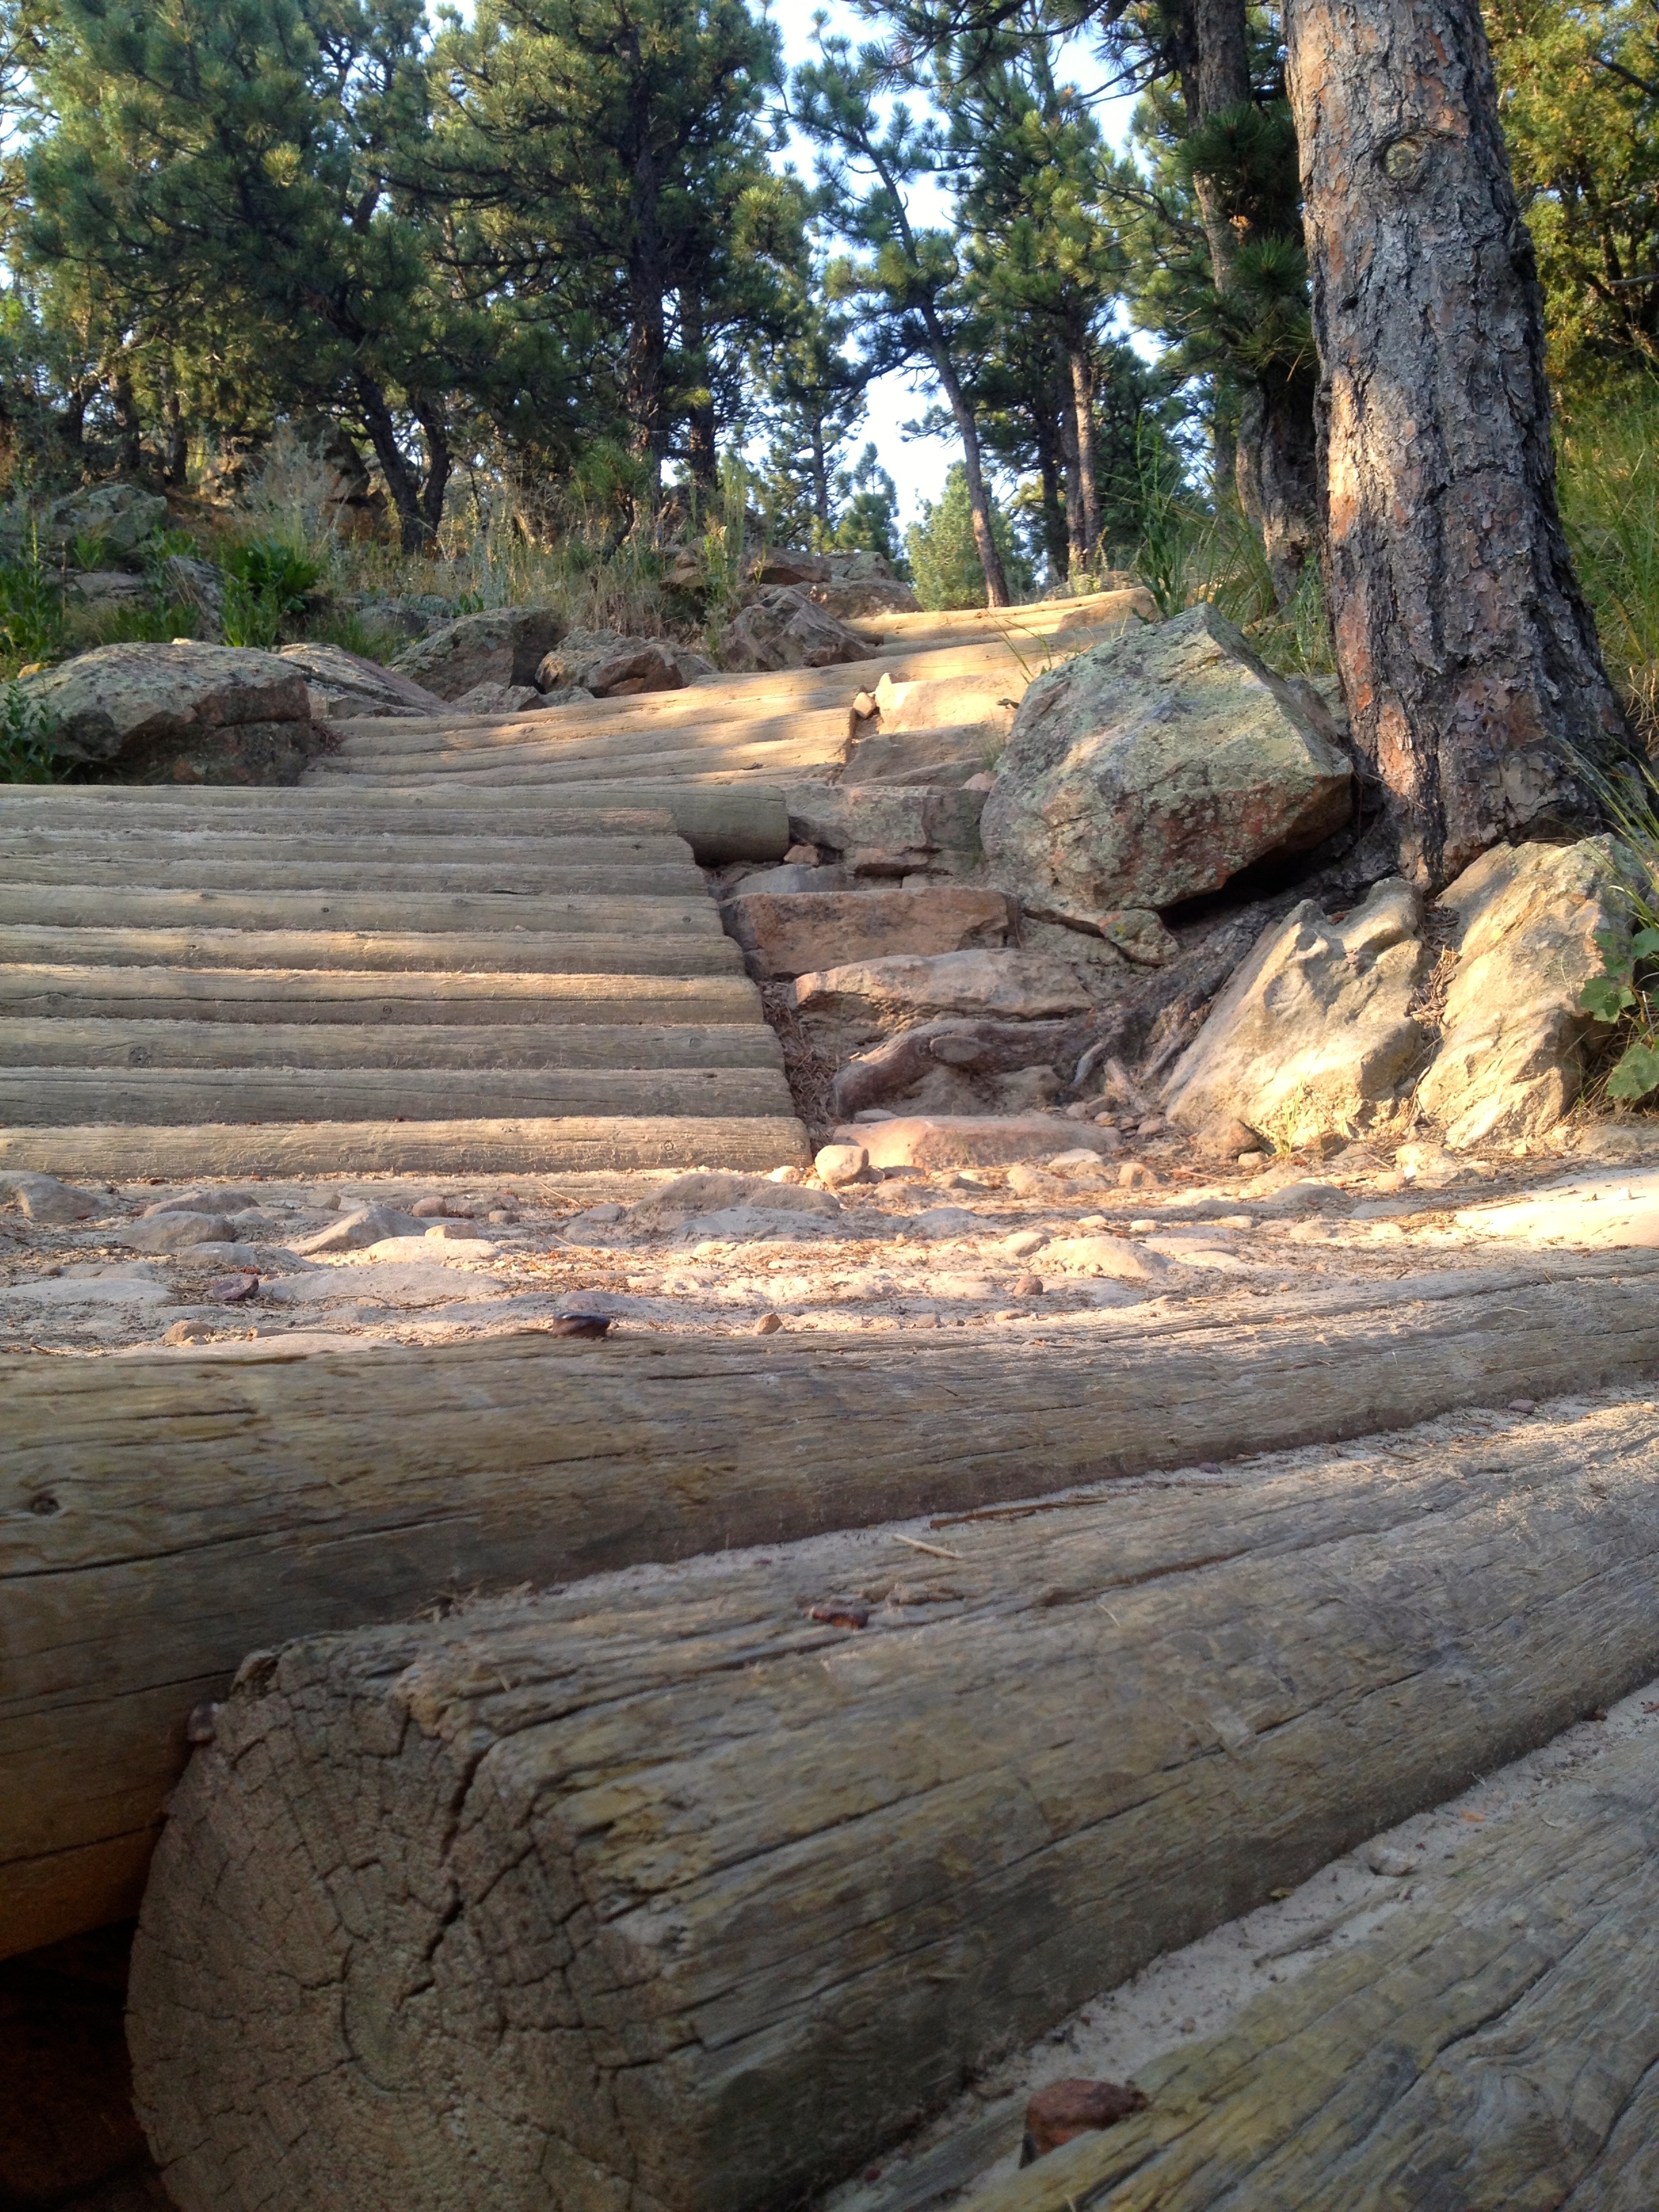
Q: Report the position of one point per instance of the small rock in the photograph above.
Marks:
(196, 1329)
(233, 1289)
(1106, 1255)
(427, 1209)
(784, 1174)
(579, 1324)
(1080, 1167)
(1154, 1124)
(1523, 1405)
(42, 1198)
(1384, 1859)
(943, 1221)
(1027, 1287)
(1025, 1242)
(1065, 2109)
(953, 1140)
(838, 1165)
(352, 1232)
(1027, 1182)
(769, 1324)
(453, 1232)
(173, 1232)
(1135, 1175)
(501, 1214)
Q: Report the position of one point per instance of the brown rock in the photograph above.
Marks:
(42, 1198)
(609, 665)
(233, 1289)
(506, 645)
(341, 684)
(784, 630)
(839, 1164)
(500, 699)
(1065, 2108)
(183, 713)
(799, 933)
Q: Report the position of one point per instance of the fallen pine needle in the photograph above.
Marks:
(938, 1551)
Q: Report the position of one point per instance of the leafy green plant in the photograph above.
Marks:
(1164, 558)
(266, 580)
(1627, 992)
(29, 738)
(89, 550)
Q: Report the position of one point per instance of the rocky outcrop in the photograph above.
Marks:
(505, 645)
(120, 518)
(980, 1050)
(501, 699)
(342, 684)
(1155, 766)
(1513, 1038)
(187, 714)
(851, 598)
(782, 628)
(608, 666)
(789, 933)
(1314, 1035)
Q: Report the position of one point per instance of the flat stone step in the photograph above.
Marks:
(43, 1042)
(33, 1096)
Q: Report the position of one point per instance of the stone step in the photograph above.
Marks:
(45, 1042)
(370, 999)
(449, 954)
(32, 1097)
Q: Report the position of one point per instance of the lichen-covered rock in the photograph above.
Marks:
(1154, 768)
(607, 665)
(1313, 1037)
(120, 518)
(201, 713)
(500, 699)
(849, 598)
(504, 644)
(782, 628)
(788, 933)
(342, 684)
(1010, 986)
(1513, 1038)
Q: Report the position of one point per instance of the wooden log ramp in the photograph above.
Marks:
(686, 1891)
(163, 1513)
(1496, 2046)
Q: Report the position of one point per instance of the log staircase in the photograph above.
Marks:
(459, 946)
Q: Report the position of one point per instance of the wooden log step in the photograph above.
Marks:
(161, 1516)
(692, 1893)
(371, 848)
(43, 1042)
(101, 907)
(466, 770)
(438, 952)
(570, 1145)
(233, 875)
(826, 727)
(30, 1097)
(122, 810)
(1494, 2045)
(351, 997)
(1091, 615)
(720, 821)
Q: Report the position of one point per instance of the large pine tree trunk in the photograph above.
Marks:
(1468, 655)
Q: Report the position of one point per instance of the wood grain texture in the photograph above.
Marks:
(201, 1507)
(64, 1041)
(571, 1144)
(438, 951)
(665, 1894)
(1498, 2049)
(161, 1097)
(353, 996)
(102, 906)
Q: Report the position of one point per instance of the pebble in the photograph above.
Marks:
(1027, 1182)
(579, 1324)
(427, 1209)
(1385, 1859)
(453, 1232)
(1135, 1175)
(1523, 1405)
(769, 1324)
(837, 1165)
(197, 1329)
(1025, 1242)
(231, 1290)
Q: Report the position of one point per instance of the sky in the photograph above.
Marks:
(917, 465)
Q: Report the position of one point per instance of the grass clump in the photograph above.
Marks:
(29, 738)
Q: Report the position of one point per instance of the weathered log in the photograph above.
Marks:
(690, 1893)
(720, 821)
(200, 867)
(106, 906)
(162, 1515)
(161, 1097)
(450, 952)
(572, 1143)
(65, 1041)
(1496, 2046)
(350, 997)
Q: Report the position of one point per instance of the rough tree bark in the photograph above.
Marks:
(1082, 411)
(1469, 657)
